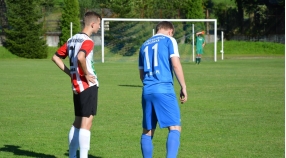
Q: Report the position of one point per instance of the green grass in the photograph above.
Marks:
(254, 48)
(232, 50)
(5, 54)
(236, 108)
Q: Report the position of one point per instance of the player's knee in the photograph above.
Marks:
(148, 132)
(86, 122)
(179, 128)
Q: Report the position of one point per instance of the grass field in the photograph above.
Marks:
(236, 108)
(232, 50)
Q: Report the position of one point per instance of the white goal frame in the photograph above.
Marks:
(174, 20)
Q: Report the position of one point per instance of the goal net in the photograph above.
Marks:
(121, 38)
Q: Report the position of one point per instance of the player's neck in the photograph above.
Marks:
(164, 32)
(86, 31)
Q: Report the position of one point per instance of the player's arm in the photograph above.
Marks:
(180, 77)
(82, 63)
(57, 59)
(141, 67)
(141, 73)
(202, 32)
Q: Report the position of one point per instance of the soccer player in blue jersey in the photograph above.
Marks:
(158, 59)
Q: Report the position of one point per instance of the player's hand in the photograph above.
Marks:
(183, 95)
(90, 78)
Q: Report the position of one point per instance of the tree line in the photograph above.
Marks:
(24, 32)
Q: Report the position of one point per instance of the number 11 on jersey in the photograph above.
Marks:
(155, 56)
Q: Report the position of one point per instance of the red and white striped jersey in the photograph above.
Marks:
(77, 43)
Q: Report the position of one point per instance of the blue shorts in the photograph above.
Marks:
(162, 108)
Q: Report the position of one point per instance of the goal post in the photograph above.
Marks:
(108, 20)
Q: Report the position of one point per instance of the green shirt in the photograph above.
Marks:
(199, 42)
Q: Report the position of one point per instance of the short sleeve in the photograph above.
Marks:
(87, 47)
(173, 48)
(62, 51)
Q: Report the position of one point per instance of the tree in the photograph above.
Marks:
(3, 18)
(48, 7)
(24, 36)
(249, 6)
(70, 14)
(187, 9)
(192, 9)
(117, 7)
(262, 11)
(87, 5)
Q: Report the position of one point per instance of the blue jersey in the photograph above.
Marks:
(155, 60)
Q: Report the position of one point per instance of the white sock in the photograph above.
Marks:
(84, 142)
(73, 141)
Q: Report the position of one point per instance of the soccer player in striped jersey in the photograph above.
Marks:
(79, 49)
(158, 59)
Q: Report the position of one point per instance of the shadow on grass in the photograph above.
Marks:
(77, 153)
(124, 85)
(17, 151)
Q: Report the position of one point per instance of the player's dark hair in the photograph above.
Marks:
(165, 25)
(90, 15)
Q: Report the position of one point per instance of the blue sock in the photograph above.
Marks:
(173, 143)
(146, 146)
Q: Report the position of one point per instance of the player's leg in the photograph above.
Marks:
(84, 136)
(146, 143)
(85, 113)
(173, 141)
(168, 114)
(83, 126)
(73, 139)
(149, 122)
(200, 52)
(73, 136)
(79, 135)
(197, 57)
